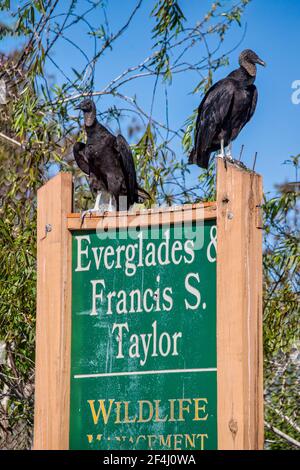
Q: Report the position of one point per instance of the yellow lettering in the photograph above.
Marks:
(172, 403)
(118, 412)
(183, 408)
(200, 408)
(157, 418)
(202, 437)
(190, 440)
(177, 441)
(101, 409)
(141, 408)
(165, 442)
(126, 417)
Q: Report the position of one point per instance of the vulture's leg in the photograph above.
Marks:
(229, 155)
(97, 208)
(105, 202)
(111, 205)
(222, 153)
(222, 149)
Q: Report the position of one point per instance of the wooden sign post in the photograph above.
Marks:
(149, 331)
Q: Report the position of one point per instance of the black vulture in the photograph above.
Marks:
(227, 106)
(108, 162)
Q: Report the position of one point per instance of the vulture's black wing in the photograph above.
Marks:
(253, 104)
(198, 121)
(79, 155)
(128, 167)
(212, 113)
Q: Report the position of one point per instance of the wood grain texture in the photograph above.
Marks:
(239, 309)
(52, 379)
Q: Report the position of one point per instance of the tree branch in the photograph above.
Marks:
(284, 417)
(284, 436)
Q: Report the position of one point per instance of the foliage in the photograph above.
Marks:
(38, 127)
(281, 311)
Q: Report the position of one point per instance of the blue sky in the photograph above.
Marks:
(272, 30)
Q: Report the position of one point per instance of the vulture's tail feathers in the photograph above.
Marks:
(203, 159)
(200, 159)
(193, 157)
(143, 195)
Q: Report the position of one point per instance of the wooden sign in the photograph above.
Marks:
(144, 339)
(143, 362)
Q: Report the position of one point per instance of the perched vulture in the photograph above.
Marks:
(108, 162)
(227, 106)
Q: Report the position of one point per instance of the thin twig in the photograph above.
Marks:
(284, 417)
(281, 434)
(11, 140)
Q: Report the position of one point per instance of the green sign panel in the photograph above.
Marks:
(143, 360)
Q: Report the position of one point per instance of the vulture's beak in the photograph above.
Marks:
(77, 107)
(261, 62)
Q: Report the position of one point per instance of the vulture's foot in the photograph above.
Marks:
(240, 164)
(100, 211)
(226, 159)
(111, 207)
(220, 155)
(95, 210)
(229, 158)
(99, 208)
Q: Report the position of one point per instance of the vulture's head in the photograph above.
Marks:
(89, 111)
(248, 60)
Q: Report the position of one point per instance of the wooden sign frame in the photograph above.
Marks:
(239, 303)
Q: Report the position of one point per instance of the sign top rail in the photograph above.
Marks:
(144, 217)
